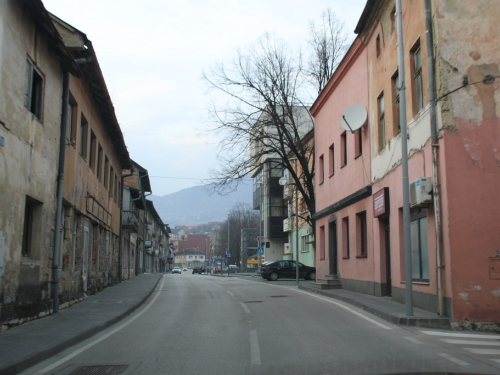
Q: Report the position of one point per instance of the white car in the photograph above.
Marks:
(176, 270)
(185, 269)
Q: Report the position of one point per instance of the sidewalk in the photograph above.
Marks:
(28, 344)
(385, 308)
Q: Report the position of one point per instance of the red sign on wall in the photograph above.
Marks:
(381, 202)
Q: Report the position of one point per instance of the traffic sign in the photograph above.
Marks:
(228, 255)
(260, 250)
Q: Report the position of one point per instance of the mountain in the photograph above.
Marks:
(195, 205)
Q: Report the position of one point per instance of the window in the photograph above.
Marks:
(119, 194)
(322, 242)
(84, 136)
(321, 170)
(305, 243)
(115, 195)
(111, 181)
(381, 121)
(331, 160)
(395, 103)
(32, 212)
(93, 148)
(419, 246)
(106, 169)
(378, 45)
(345, 238)
(28, 229)
(358, 143)
(361, 234)
(418, 90)
(71, 120)
(276, 170)
(343, 149)
(276, 207)
(33, 100)
(99, 162)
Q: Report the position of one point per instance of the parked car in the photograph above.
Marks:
(176, 270)
(218, 269)
(285, 269)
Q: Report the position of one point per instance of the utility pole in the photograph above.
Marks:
(404, 163)
(296, 225)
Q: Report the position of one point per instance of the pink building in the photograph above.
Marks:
(454, 173)
(343, 179)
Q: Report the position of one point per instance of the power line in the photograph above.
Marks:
(177, 178)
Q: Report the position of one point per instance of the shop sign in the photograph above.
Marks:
(381, 202)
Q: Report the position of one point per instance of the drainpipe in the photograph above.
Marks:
(435, 157)
(120, 243)
(404, 164)
(60, 190)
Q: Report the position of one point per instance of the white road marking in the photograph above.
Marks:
(453, 359)
(413, 340)
(347, 308)
(244, 307)
(104, 337)
(230, 293)
(450, 334)
(254, 348)
(483, 351)
(471, 342)
(496, 360)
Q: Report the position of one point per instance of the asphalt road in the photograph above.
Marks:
(198, 324)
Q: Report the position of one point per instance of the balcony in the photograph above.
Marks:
(130, 221)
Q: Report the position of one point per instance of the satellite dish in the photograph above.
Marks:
(283, 181)
(354, 117)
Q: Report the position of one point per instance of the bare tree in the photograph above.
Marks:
(265, 114)
(329, 43)
(241, 216)
(261, 112)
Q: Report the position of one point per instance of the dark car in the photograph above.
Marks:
(285, 269)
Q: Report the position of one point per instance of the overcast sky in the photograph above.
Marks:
(153, 52)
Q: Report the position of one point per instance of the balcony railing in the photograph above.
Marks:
(130, 221)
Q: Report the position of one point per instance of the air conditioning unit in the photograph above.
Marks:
(420, 192)
(286, 225)
(287, 249)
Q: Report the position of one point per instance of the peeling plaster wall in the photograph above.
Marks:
(467, 37)
(29, 160)
(81, 181)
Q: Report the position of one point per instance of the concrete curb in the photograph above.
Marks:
(398, 319)
(45, 353)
